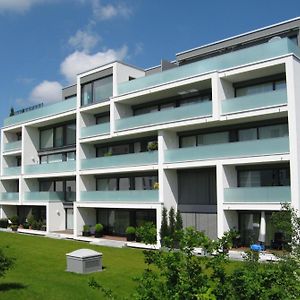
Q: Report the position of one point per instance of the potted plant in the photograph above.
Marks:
(14, 223)
(86, 230)
(98, 230)
(130, 233)
(152, 146)
(31, 221)
(156, 186)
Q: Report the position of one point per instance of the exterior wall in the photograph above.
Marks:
(56, 216)
(222, 84)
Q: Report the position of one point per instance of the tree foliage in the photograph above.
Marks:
(5, 263)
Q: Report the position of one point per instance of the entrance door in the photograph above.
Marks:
(69, 218)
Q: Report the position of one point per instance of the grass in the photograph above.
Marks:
(39, 271)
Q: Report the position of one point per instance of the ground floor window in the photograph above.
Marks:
(250, 228)
(115, 221)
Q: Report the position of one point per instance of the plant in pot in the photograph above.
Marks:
(31, 221)
(86, 230)
(152, 146)
(130, 233)
(98, 230)
(14, 223)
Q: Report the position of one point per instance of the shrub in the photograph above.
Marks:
(86, 228)
(164, 229)
(130, 230)
(3, 223)
(98, 227)
(152, 146)
(147, 233)
(5, 263)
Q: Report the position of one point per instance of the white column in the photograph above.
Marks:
(293, 93)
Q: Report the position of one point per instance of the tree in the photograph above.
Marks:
(164, 229)
(171, 223)
(5, 263)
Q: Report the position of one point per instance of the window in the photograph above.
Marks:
(71, 134)
(264, 177)
(65, 187)
(145, 182)
(58, 136)
(101, 119)
(235, 135)
(57, 157)
(97, 90)
(262, 87)
(47, 139)
(120, 149)
(86, 94)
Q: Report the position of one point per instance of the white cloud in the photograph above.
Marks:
(18, 6)
(83, 40)
(79, 61)
(46, 92)
(109, 11)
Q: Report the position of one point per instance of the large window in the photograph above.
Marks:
(244, 89)
(125, 148)
(65, 186)
(142, 182)
(97, 91)
(58, 136)
(264, 176)
(173, 102)
(57, 157)
(235, 135)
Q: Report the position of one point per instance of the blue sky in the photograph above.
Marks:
(44, 43)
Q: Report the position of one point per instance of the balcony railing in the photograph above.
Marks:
(50, 196)
(43, 196)
(229, 150)
(57, 167)
(12, 171)
(12, 146)
(45, 111)
(99, 129)
(192, 111)
(136, 196)
(8, 196)
(116, 161)
(261, 100)
(264, 194)
(221, 62)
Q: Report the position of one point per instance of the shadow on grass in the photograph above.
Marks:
(7, 286)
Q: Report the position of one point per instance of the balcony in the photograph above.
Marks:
(125, 160)
(250, 102)
(9, 197)
(99, 129)
(44, 196)
(135, 196)
(57, 167)
(45, 111)
(192, 111)
(264, 194)
(12, 171)
(221, 62)
(229, 150)
(12, 146)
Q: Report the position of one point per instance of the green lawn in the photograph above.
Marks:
(39, 271)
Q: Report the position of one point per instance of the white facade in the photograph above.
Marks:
(19, 185)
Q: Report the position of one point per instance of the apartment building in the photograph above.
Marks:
(214, 134)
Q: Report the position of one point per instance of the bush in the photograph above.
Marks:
(147, 233)
(130, 230)
(86, 228)
(164, 229)
(3, 223)
(98, 227)
(5, 263)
